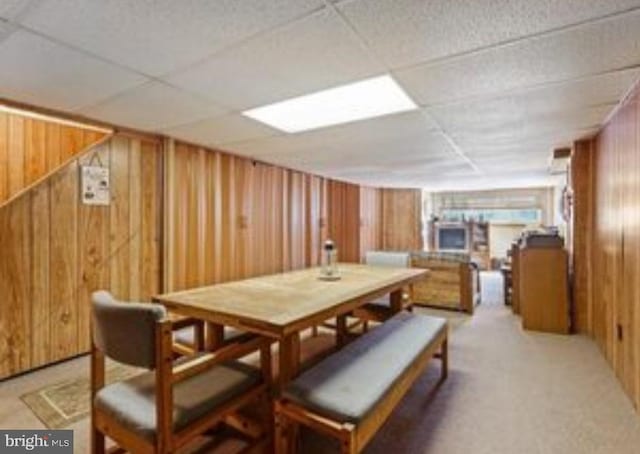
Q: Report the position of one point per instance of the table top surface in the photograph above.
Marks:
(275, 303)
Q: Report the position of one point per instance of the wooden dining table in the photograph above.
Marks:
(281, 306)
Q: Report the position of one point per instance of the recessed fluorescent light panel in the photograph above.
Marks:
(356, 101)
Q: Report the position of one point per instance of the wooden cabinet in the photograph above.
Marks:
(542, 283)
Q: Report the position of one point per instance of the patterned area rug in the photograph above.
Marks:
(64, 403)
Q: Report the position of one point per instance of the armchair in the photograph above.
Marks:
(161, 410)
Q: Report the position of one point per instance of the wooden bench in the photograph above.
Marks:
(350, 394)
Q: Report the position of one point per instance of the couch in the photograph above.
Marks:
(453, 281)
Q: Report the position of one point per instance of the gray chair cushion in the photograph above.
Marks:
(186, 335)
(132, 402)
(384, 301)
(388, 259)
(126, 332)
(347, 385)
(391, 259)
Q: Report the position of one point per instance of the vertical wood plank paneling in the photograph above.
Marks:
(135, 220)
(243, 170)
(63, 263)
(35, 150)
(297, 220)
(314, 219)
(615, 244)
(93, 250)
(194, 217)
(40, 276)
(344, 219)
(370, 219)
(209, 244)
(16, 164)
(401, 219)
(15, 287)
(628, 288)
(581, 180)
(229, 217)
(32, 149)
(250, 219)
(72, 139)
(4, 157)
(56, 251)
(54, 146)
(119, 220)
(151, 219)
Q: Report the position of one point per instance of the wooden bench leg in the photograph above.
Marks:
(97, 441)
(347, 441)
(444, 357)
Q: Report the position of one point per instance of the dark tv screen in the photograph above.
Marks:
(452, 238)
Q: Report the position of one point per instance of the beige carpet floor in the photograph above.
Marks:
(508, 391)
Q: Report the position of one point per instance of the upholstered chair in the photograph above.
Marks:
(380, 309)
(171, 402)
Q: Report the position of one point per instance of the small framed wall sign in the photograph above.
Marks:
(94, 185)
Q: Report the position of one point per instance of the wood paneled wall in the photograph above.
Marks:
(581, 231)
(370, 220)
(610, 311)
(230, 218)
(180, 216)
(31, 149)
(402, 219)
(344, 219)
(56, 251)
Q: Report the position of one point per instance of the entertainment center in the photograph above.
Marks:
(468, 237)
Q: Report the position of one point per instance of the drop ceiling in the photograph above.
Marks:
(498, 84)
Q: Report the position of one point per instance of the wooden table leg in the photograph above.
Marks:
(288, 359)
(288, 366)
(341, 330)
(214, 336)
(395, 300)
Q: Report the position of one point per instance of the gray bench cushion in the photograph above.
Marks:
(132, 402)
(186, 335)
(348, 384)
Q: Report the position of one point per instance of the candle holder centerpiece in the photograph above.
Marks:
(329, 269)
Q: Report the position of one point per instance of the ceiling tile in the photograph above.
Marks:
(593, 49)
(314, 53)
(557, 98)
(37, 71)
(506, 179)
(160, 36)
(220, 130)
(14, 9)
(367, 135)
(549, 125)
(405, 32)
(152, 106)
(5, 30)
(399, 151)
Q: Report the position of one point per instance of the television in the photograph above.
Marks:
(452, 238)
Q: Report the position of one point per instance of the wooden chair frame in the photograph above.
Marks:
(353, 438)
(179, 323)
(166, 375)
(375, 313)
